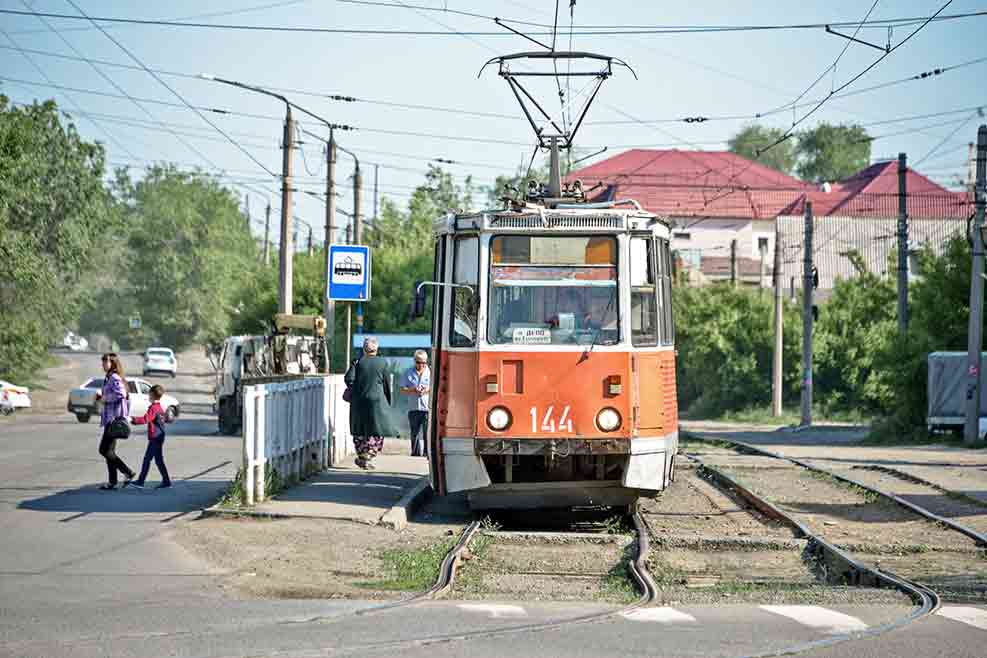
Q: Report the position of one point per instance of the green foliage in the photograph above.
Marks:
(724, 336)
(411, 569)
(852, 329)
(190, 249)
(54, 214)
(752, 138)
(832, 152)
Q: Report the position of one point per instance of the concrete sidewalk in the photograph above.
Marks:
(385, 496)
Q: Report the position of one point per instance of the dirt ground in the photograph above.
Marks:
(304, 558)
(533, 570)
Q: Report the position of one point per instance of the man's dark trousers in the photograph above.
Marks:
(418, 420)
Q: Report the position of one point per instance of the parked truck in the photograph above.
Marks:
(947, 392)
(279, 356)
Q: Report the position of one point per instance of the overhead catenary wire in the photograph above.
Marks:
(579, 31)
(164, 84)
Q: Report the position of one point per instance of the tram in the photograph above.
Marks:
(553, 352)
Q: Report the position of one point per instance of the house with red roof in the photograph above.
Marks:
(716, 199)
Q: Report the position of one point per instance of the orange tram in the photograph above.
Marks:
(553, 356)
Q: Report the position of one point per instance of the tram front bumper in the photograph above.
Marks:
(648, 467)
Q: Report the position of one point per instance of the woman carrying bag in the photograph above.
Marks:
(370, 390)
(113, 420)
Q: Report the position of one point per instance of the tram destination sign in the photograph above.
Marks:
(349, 273)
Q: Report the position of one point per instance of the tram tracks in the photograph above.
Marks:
(888, 530)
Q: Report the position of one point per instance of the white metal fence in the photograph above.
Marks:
(294, 429)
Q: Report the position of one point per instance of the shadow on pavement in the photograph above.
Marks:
(346, 487)
(182, 496)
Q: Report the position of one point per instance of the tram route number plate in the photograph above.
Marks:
(532, 336)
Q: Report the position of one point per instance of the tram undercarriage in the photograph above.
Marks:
(546, 473)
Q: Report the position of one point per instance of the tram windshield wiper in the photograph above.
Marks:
(599, 330)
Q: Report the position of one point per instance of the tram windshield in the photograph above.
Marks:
(559, 290)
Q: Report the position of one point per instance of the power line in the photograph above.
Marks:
(582, 31)
(171, 89)
(99, 126)
(788, 133)
(973, 115)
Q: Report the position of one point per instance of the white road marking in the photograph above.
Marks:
(815, 616)
(971, 616)
(495, 610)
(660, 615)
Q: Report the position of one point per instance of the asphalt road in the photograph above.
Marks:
(90, 573)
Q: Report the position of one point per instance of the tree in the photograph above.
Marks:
(190, 250)
(55, 219)
(832, 152)
(752, 138)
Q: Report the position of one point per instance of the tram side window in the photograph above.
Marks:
(644, 308)
(466, 271)
(665, 280)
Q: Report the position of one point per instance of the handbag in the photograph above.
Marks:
(118, 428)
(348, 391)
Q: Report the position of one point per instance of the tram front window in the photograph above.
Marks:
(553, 291)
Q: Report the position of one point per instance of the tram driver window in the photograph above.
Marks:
(559, 290)
(644, 307)
(465, 304)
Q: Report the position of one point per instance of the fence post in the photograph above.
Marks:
(260, 441)
(249, 445)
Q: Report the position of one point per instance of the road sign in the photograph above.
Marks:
(135, 322)
(349, 273)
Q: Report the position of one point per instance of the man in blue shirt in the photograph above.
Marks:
(417, 383)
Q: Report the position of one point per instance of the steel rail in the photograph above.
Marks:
(835, 561)
(637, 568)
(978, 537)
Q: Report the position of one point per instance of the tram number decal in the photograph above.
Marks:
(549, 421)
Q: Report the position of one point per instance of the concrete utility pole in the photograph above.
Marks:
(777, 363)
(311, 250)
(376, 188)
(330, 305)
(902, 244)
(358, 231)
(807, 319)
(733, 263)
(267, 235)
(971, 431)
(246, 201)
(285, 270)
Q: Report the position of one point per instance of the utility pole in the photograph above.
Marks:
(733, 263)
(330, 305)
(376, 189)
(349, 233)
(807, 319)
(310, 248)
(285, 270)
(267, 235)
(902, 245)
(971, 431)
(358, 232)
(246, 201)
(776, 366)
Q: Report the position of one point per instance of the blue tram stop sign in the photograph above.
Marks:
(349, 273)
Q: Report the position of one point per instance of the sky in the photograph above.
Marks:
(475, 121)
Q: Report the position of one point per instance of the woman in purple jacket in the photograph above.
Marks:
(116, 404)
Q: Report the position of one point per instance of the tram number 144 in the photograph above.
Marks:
(551, 421)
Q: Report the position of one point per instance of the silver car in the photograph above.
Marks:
(160, 360)
(84, 404)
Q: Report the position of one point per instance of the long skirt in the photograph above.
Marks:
(367, 447)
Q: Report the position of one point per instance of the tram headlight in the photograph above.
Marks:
(499, 419)
(608, 419)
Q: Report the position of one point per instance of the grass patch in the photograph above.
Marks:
(894, 432)
(411, 569)
(617, 583)
(234, 495)
(764, 416)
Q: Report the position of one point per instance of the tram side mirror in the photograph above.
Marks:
(418, 306)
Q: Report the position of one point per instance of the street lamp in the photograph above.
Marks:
(286, 248)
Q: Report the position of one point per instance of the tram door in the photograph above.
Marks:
(438, 309)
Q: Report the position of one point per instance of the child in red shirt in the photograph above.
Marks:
(155, 420)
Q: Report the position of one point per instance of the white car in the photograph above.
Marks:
(160, 360)
(75, 342)
(13, 397)
(83, 403)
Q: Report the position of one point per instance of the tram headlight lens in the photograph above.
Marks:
(499, 419)
(608, 419)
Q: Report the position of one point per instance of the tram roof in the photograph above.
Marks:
(538, 219)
